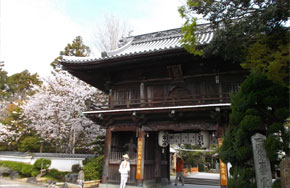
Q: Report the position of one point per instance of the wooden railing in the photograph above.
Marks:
(117, 156)
(171, 101)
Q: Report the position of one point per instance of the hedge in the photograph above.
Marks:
(22, 168)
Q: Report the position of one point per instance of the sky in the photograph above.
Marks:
(33, 32)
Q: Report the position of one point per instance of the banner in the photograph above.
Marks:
(223, 167)
(139, 170)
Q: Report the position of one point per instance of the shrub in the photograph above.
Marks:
(241, 178)
(16, 166)
(201, 167)
(276, 184)
(93, 168)
(76, 168)
(35, 172)
(56, 175)
(45, 163)
(26, 170)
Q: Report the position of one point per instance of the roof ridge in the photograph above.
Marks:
(164, 34)
(156, 39)
(158, 34)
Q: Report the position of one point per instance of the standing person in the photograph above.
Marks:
(124, 171)
(179, 171)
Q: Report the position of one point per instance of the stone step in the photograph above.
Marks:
(201, 181)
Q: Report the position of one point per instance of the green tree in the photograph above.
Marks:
(244, 32)
(13, 90)
(260, 106)
(3, 82)
(22, 84)
(98, 145)
(76, 48)
(29, 144)
(270, 54)
(14, 135)
(17, 86)
(194, 156)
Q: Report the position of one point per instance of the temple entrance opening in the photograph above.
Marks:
(158, 158)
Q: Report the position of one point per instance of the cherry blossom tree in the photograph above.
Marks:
(7, 134)
(55, 112)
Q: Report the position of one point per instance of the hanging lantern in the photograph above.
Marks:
(163, 139)
(203, 139)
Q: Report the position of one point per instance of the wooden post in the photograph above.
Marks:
(142, 94)
(140, 158)
(41, 146)
(217, 80)
(168, 162)
(108, 141)
(111, 99)
(157, 160)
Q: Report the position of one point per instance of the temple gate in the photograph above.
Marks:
(155, 85)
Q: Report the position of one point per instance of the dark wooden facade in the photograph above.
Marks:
(162, 90)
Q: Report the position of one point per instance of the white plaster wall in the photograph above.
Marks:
(15, 158)
(65, 164)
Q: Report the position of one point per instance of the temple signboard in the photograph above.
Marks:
(139, 174)
(223, 168)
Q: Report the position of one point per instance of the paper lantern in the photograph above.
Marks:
(163, 139)
(203, 139)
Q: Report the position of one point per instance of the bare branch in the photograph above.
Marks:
(108, 35)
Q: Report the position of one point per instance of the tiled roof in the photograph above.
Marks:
(147, 43)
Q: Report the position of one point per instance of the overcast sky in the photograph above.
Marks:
(33, 32)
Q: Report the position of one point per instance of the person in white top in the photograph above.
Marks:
(124, 170)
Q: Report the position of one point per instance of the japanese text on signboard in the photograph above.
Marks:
(223, 166)
(139, 159)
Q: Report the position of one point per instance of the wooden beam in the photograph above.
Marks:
(123, 128)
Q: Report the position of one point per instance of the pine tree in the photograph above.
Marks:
(260, 106)
(77, 48)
